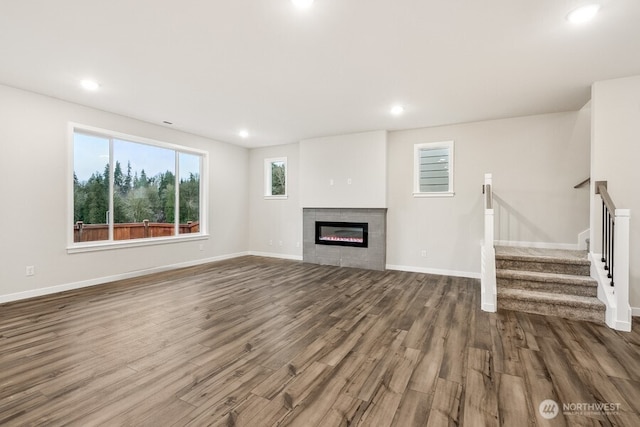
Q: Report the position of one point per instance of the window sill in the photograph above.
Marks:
(276, 197)
(443, 194)
(153, 241)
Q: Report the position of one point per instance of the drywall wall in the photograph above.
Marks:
(344, 171)
(535, 162)
(614, 158)
(34, 186)
(275, 225)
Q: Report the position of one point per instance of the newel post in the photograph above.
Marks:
(487, 253)
(146, 227)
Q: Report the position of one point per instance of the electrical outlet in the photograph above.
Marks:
(31, 270)
(279, 242)
(270, 242)
(297, 244)
(330, 182)
(423, 253)
(349, 181)
(201, 247)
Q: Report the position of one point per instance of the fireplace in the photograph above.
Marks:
(342, 233)
(345, 237)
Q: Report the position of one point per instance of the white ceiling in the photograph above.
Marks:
(215, 67)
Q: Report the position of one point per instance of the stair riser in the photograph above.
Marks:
(556, 288)
(543, 267)
(567, 312)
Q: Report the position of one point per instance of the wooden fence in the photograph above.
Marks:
(132, 230)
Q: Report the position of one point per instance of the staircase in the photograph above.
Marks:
(547, 281)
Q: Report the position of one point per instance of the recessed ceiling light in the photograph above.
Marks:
(89, 84)
(244, 134)
(583, 14)
(396, 110)
(302, 4)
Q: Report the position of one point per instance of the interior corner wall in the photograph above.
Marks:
(535, 162)
(275, 225)
(615, 157)
(34, 186)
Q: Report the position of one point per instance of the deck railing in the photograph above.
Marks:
(487, 250)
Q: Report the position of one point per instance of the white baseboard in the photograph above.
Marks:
(635, 311)
(101, 280)
(275, 255)
(541, 245)
(490, 308)
(455, 273)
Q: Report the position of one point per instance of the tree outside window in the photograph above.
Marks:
(123, 189)
(275, 174)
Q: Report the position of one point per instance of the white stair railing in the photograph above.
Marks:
(487, 251)
(612, 265)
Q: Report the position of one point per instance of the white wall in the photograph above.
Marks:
(535, 162)
(34, 184)
(275, 225)
(616, 158)
(344, 171)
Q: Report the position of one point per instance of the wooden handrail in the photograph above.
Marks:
(582, 183)
(601, 189)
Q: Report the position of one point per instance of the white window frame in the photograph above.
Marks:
(79, 247)
(416, 168)
(268, 187)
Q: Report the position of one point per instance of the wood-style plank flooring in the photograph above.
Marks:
(262, 342)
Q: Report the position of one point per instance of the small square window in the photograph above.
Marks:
(433, 169)
(275, 178)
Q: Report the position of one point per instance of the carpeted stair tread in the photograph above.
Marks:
(549, 282)
(549, 304)
(536, 276)
(550, 298)
(544, 259)
(516, 251)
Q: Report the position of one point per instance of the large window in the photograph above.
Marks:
(275, 178)
(433, 169)
(127, 188)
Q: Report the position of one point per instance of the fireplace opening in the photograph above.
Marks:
(342, 233)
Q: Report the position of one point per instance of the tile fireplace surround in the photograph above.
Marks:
(372, 257)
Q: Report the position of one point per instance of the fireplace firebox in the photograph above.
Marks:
(342, 233)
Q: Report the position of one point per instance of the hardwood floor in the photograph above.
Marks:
(261, 342)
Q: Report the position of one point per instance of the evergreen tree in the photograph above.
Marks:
(128, 180)
(190, 199)
(143, 181)
(170, 203)
(165, 182)
(118, 179)
(278, 184)
(97, 200)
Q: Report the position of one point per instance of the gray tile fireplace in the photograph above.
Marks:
(345, 237)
